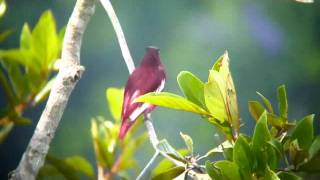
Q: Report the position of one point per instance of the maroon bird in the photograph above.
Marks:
(148, 77)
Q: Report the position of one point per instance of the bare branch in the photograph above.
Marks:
(69, 73)
(120, 36)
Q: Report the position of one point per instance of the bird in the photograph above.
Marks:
(148, 77)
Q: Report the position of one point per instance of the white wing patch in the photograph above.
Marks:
(134, 115)
(160, 88)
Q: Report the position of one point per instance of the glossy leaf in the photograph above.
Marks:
(255, 109)
(169, 174)
(192, 87)
(304, 132)
(314, 148)
(229, 170)
(243, 156)
(265, 155)
(283, 103)
(214, 101)
(172, 101)
(188, 141)
(212, 171)
(277, 146)
(3, 7)
(270, 175)
(266, 102)
(115, 98)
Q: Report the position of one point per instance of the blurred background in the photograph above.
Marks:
(269, 43)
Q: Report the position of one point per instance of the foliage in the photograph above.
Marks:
(26, 73)
(278, 148)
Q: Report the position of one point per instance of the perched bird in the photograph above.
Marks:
(148, 77)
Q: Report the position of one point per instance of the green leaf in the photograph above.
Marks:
(266, 102)
(115, 98)
(221, 74)
(288, 176)
(4, 132)
(169, 174)
(80, 164)
(45, 42)
(242, 155)
(192, 87)
(165, 164)
(304, 132)
(314, 148)
(188, 141)
(270, 175)
(104, 141)
(229, 170)
(165, 147)
(172, 101)
(255, 109)
(213, 172)
(44, 92)
(25, 37)
(276, 144)
(265, 155)
(214, 101)
(283, 103)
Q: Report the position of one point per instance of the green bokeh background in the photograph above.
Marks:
(270, 42)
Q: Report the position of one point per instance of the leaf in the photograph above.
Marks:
(314, 148)
(288, 176)
(64, 168)
(172, 101)
(276, 144)
(103, 142)
(169, 174)
(270, 175)
(229, 170)
(283, 103)
(188, 141)
(264, 154)
(243, 157)
(115, 98)
(165, 147)
(266, 102)
(25, 37)
(4, 132)
(44, 92)
(214, 101)
(165, 164)
(80, 164)
(255, 109)
(192, 87)
(213, 172)
(304, 132)
(45, 40)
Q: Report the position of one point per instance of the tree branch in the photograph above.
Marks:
(120, 36)
(68, 76)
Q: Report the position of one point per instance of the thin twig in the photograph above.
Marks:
(148, 166)
(69, 74)
(120, 36)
